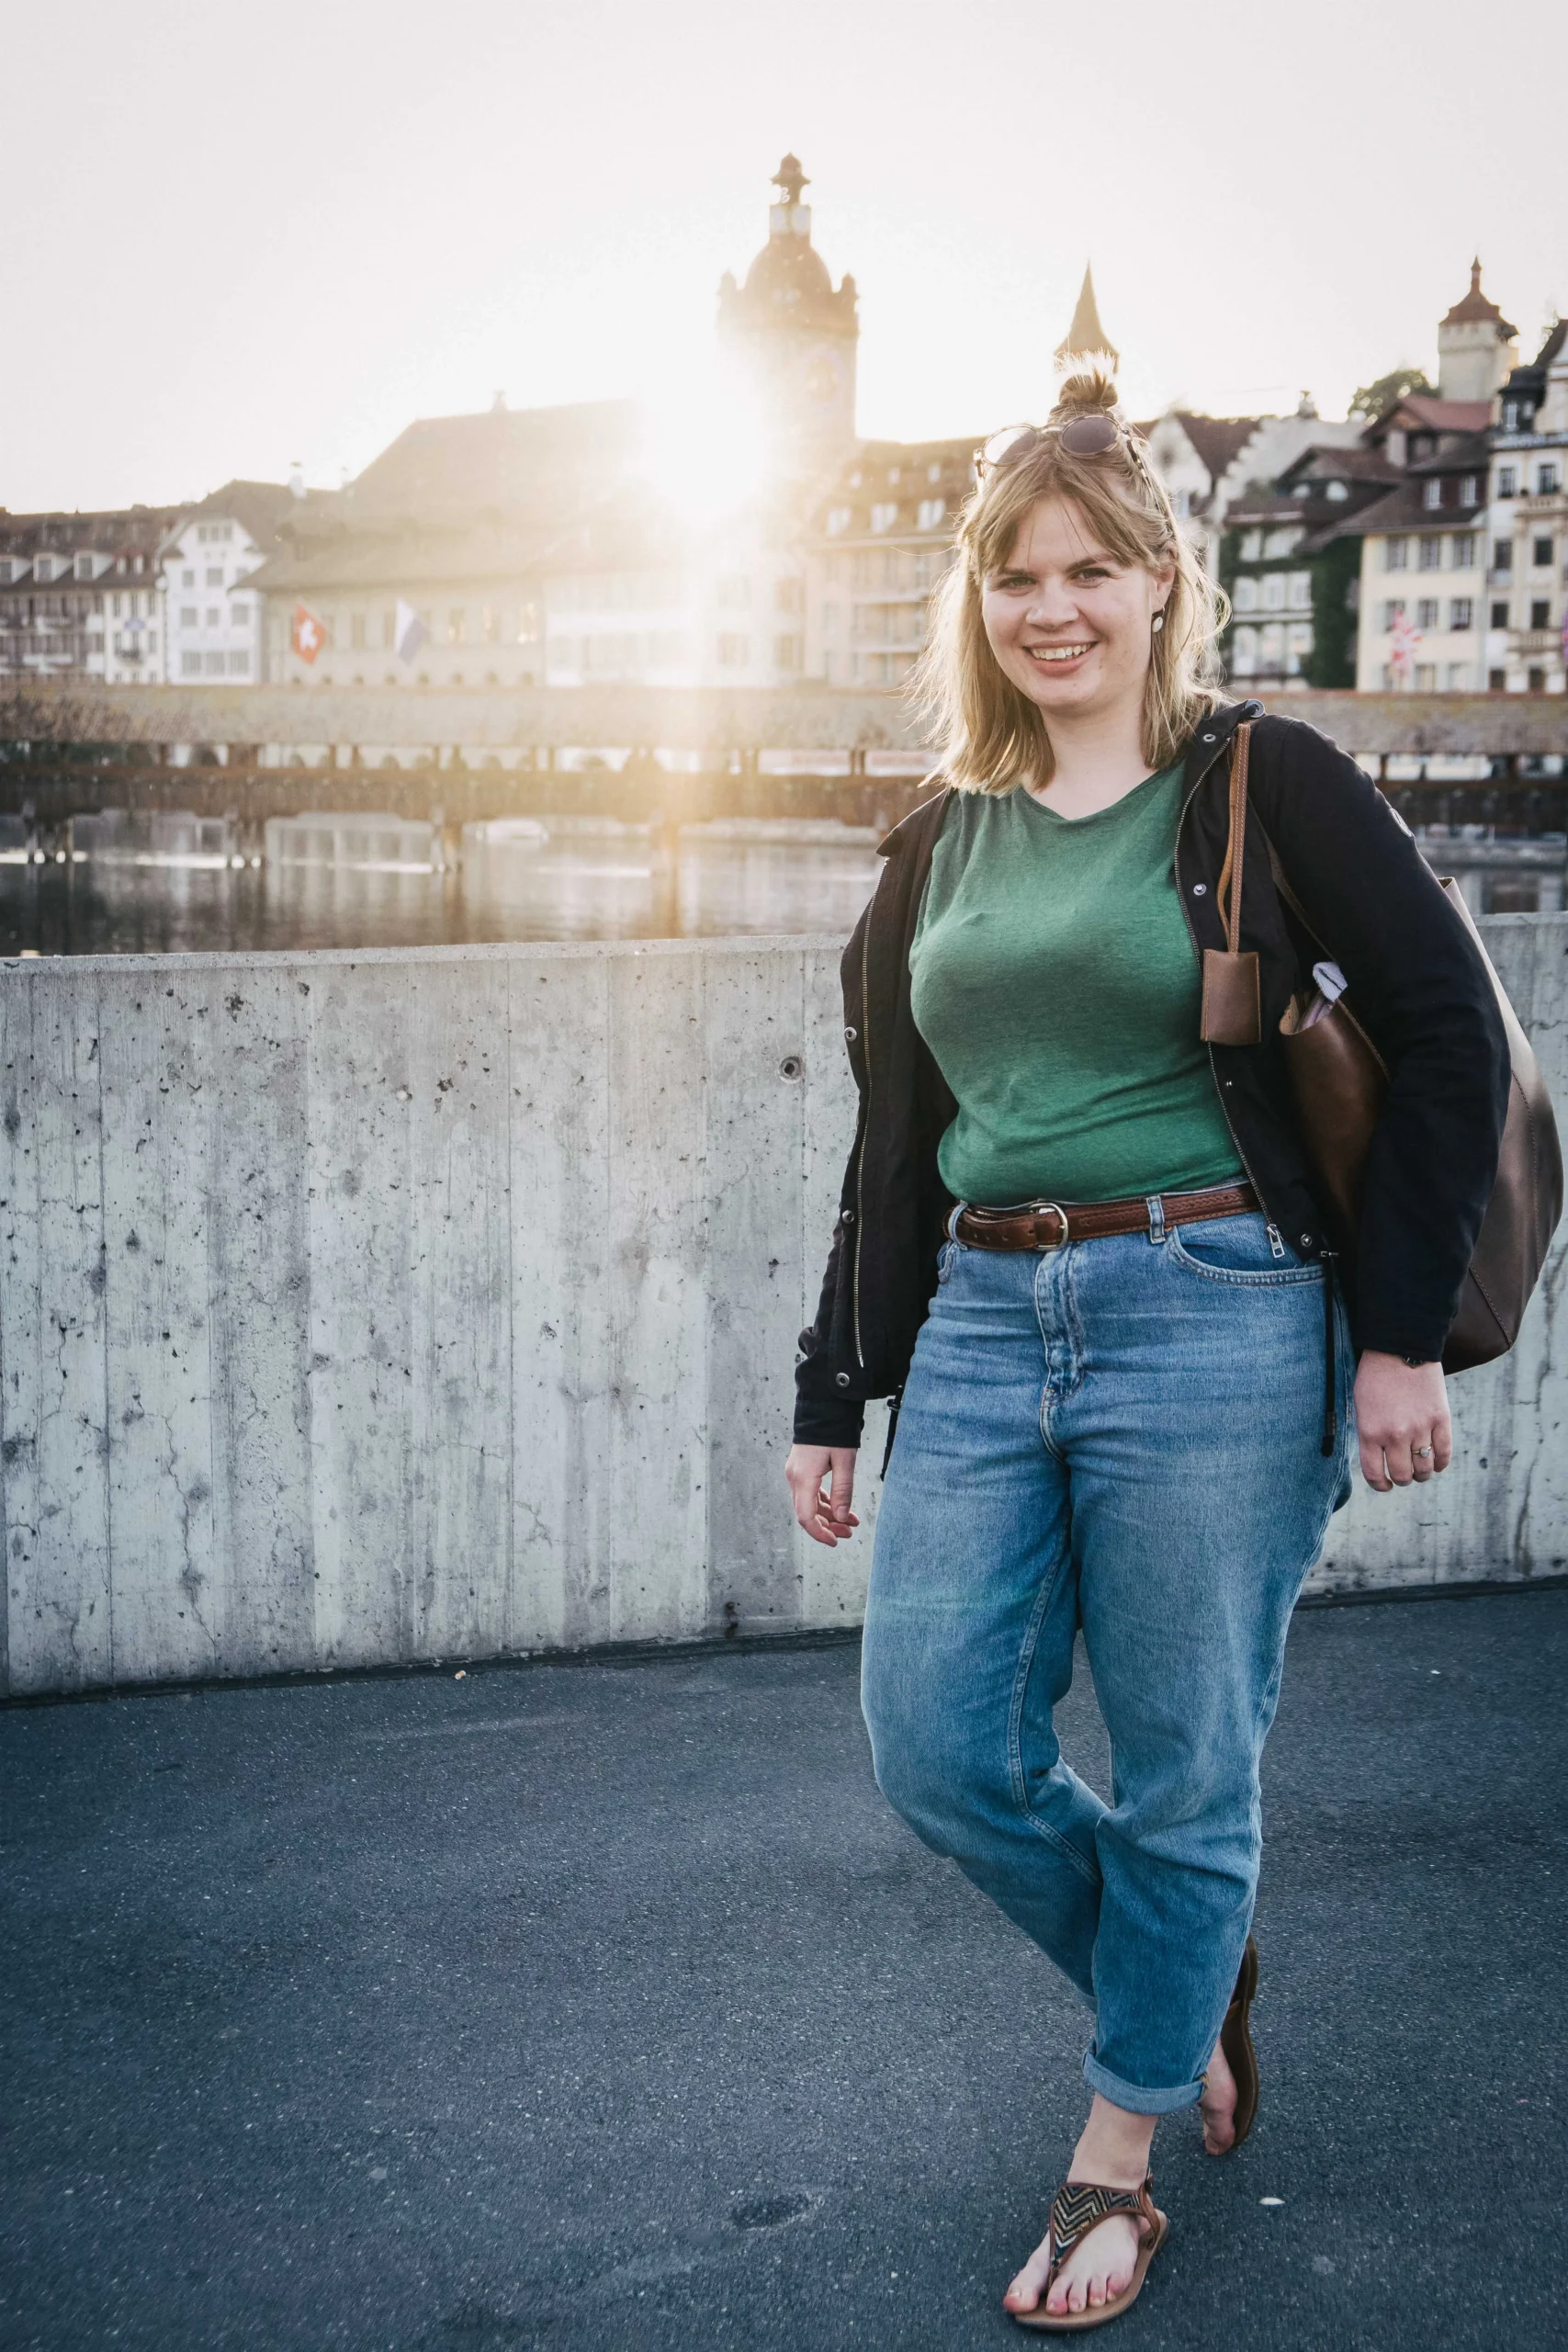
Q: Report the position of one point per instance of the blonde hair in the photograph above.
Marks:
(989, 735)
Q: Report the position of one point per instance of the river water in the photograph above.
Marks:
(622, 883)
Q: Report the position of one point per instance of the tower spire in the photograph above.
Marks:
(1086, 338)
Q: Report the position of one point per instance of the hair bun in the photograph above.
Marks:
(1093, 393)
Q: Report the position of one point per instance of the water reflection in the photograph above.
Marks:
(584, 879)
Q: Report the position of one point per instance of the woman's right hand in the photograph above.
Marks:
(822, 1485)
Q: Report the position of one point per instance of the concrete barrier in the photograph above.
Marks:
(366, 1307)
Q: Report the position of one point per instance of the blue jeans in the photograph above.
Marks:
(1123, 1435)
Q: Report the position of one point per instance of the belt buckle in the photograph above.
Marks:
(1040, 1208)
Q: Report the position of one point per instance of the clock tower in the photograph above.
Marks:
(793, 335)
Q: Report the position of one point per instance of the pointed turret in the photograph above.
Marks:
(1085, 339)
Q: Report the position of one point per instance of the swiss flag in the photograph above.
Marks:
(310, 634)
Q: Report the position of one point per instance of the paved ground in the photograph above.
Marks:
(608, 2007)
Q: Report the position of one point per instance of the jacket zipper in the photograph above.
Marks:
(1276, 1243)
(865, 1126)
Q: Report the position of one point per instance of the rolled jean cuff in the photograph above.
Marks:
(1135, 2099)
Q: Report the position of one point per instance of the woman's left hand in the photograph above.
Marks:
(1402, 1420)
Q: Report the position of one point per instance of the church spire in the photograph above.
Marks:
(1086, 338)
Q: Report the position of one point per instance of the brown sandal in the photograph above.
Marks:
(1078, 2207)
(1236, 2040)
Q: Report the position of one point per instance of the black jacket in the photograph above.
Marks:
(1419, 988)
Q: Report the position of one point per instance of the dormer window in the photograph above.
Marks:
(933, 473)
(883, 517)
(855, 479)
(1432, 494)
(1510, 416)
(931, 513)
(1470, 490)
(84, 567)
(45, 567)
(838, 521)
(1335, 490)
(893, 477)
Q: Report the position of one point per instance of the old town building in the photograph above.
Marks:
(1527, 525)
(79, 595)
(212, 619)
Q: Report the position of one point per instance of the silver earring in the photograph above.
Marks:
(1158, 623)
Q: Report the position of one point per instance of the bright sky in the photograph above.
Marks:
(239, 236)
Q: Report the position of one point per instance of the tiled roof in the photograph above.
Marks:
(1403, 509)
(531, 461)
(1219, 440)
(1475, 308)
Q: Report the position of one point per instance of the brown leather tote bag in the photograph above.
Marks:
(1338, 1080)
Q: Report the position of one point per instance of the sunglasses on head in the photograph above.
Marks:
(1080, 437)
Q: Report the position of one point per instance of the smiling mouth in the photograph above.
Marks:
(1058, 653)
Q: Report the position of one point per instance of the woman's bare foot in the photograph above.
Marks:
(1115, 2152)
(1217, 2105)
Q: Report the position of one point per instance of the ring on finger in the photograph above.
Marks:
(1423, 1453)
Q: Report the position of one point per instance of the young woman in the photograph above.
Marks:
(1081, 1251)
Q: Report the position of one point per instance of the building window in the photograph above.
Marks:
(1245, 595)
(457, 625)
(1431, 557)
(1425, 677)
(787, 652)
(213, 615)
(1337, 491)
(1244, 653)
(1300, 596)
(933, 511)
(1273, 592)
(187, 580)
(1535, 681)
(84, 567)
(1432, 493)
(1502, 555)
(1540, 554)
(356, 630)
(1252, 547)
(883, 515)
(1390, 613)
(1457, 678)
(1546, 480)
(187, 616)
(190, 665)
(490, 625)
(734, 592)
(1427, 613)
(1540, 614)
(214, 665)
(1508, 481)
(1470, 490)
(215, 575)
(239, 616)
(389, 626)
(789, 594)
(734, 651)
(1462, 612)
(838, 521)
(933, 472)
(1499, 617)
(44, 568)
(1496, 680)
(1464, 551)
(1278, 543)
(239, 661)
(1396, 555)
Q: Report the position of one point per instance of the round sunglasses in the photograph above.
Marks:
(1080, 437)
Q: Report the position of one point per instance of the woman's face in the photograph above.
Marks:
(1068, 623)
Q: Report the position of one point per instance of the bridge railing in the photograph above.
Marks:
(359, 1309)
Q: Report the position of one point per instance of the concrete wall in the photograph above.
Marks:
(366, 1307)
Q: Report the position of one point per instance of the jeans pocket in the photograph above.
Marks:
(1238, 1250)
(946, 1259)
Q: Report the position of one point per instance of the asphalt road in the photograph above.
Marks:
(607, 2005)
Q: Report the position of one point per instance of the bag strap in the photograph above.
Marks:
(1231, 871)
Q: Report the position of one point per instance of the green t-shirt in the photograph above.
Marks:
(1055, 982)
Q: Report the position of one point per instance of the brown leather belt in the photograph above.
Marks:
(1050, 1225)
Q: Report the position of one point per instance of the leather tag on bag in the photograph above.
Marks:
(1232, 1011)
